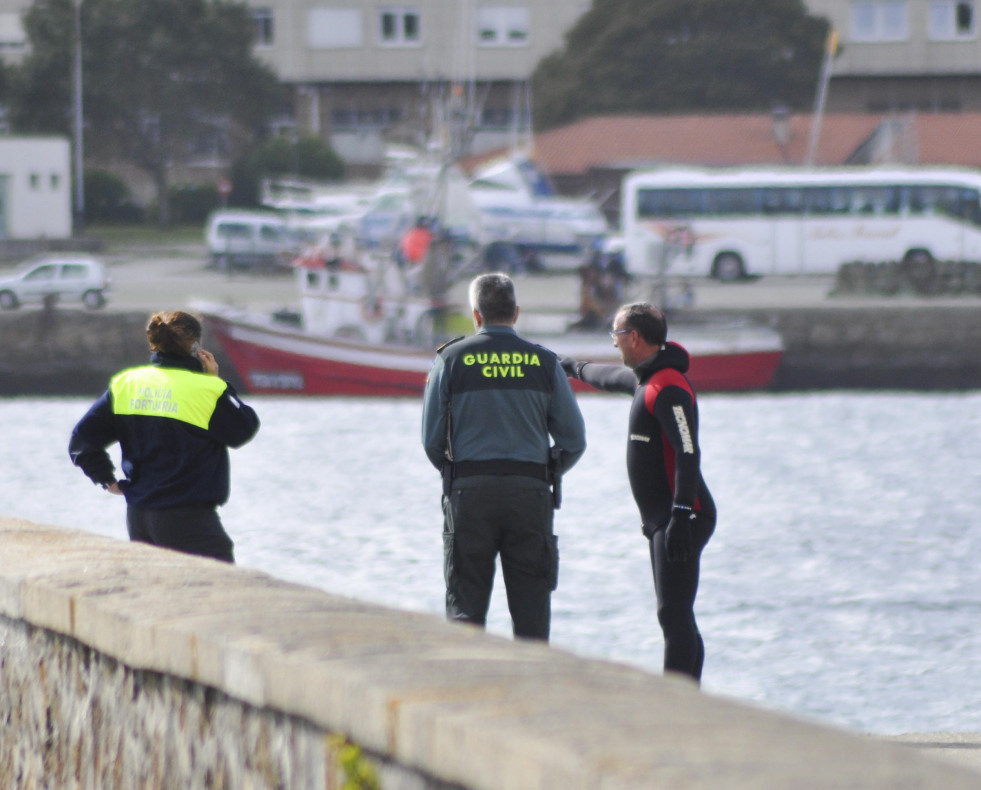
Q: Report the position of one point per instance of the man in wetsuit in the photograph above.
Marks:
(663, 464)
(492, 400)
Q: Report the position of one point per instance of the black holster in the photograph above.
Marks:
(555, 476)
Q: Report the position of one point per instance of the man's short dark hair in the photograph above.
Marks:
(492, 295)
(649, 322)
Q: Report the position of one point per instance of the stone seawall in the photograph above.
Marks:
(67, 352)
(73, 352)
(896, 347)
(122, 666)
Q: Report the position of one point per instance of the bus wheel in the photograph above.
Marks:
(918, 268)
(728, 267)
(917, 258)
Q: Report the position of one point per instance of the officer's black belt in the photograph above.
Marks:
(500, 467)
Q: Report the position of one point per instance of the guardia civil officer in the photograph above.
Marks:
(664, 467)
(174, 420)
(491, 403)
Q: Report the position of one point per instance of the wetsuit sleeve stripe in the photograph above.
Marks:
(674, 407)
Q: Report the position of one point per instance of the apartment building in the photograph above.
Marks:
(367, 72)
(904, 55)
(363, 68)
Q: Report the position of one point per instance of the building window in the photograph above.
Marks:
(334, 28)
(360, 119)
(12, 35)
(951, 20)
(879, 20)
(398, 27)
(496, 118)
(263, 20)
(55, 182)
(35, 180)
(502, 26)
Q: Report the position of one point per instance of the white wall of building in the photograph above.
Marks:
(35, 188)
(904, 37)
(313, 41)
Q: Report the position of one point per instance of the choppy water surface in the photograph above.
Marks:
(843, 582)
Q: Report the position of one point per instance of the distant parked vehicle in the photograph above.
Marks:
(520, 209)
(63, 279)
(732, 224)
(250, 239)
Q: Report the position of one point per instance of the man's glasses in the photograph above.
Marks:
(616, 332)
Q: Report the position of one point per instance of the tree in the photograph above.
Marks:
(663, 56)
(161, 77)
(305, 157)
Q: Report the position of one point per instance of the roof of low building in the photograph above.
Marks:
(634, 141)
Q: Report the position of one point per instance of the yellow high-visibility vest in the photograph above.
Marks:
(173, 393)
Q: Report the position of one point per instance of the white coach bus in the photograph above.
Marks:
(731, 224)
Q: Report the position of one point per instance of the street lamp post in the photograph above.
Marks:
(77, 114)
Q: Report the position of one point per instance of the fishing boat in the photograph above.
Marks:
(374, 331)
(373, 310)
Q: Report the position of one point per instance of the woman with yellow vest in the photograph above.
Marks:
(174, 420)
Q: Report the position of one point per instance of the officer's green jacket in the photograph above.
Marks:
(501, 398)
(174, 424)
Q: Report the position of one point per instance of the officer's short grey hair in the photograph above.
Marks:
(492, 295)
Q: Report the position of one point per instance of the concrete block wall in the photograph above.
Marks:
(122, 665)
(923, 346)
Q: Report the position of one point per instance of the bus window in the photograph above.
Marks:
(783, 200)
(827, 200)
(935, 200)
(914, 200)
(732, 201)
(817, 200)
(875, 200)
(670, 202)
(971, 206)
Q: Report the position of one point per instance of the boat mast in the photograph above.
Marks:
(830, 50)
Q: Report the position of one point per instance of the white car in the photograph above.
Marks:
(250, 239)
(66, 279)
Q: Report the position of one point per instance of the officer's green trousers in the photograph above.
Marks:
(507, 515)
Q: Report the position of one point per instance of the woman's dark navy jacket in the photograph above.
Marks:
(174, 424)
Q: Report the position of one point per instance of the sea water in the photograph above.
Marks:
(843, 583)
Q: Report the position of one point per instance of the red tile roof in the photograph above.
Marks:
(951, 138)
(716, 140)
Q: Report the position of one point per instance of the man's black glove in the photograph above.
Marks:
(677, 536)
(569, 365)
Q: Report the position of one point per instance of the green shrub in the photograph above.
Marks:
(108, 199)
(308, 158)
(192, 203)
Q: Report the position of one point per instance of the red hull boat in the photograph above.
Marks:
(271, 357)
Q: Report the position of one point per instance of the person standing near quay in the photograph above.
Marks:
(663, 464)
(174, 420)
(492, 401)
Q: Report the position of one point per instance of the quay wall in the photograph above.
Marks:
(74, 352)
(915, 347)
(123, 665)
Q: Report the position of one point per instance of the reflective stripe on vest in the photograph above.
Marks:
(167, 392)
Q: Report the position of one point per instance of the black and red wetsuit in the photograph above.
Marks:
(664, 467)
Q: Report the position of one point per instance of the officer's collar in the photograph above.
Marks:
(497, 329)
(163, 360)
